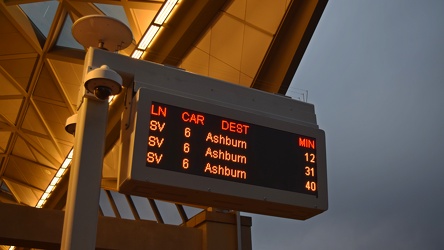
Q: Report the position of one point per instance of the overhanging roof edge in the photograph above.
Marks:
(289, 45)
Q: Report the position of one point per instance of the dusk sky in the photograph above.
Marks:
(375, 72)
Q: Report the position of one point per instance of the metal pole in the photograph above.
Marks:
(82, 204)
(239, 230)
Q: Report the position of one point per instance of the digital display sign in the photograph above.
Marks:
(193, 142)
(212, 151)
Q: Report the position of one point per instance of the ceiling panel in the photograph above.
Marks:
(43, 160)
(7, 87)
(47, 88)
(10, 113)
(55, 118)
(226, 50)
(23, 171)
(115, 11)
(33, 122)
(237, 9)
(20, 69)
(13, 43)
(6, 28)
(23, 193)
(143, 18)
(198, 62)
(238, 42)
(4, 139)
(245, 80)
(69, 76)
(47, 147)
(79, 9)
(204, 43)
(22, 149)
(254, 46)
(265, 14)
(221, 70)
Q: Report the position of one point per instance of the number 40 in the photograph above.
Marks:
(310, 186)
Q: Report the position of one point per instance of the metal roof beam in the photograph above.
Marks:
(288, 46)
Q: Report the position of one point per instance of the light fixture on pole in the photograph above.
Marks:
(100, 82)
(103, 82)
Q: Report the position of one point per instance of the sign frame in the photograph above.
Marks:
(137, 179)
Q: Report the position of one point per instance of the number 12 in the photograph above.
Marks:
(310, 157)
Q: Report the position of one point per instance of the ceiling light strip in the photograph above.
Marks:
(52, 184)
(137, 54)
(55, 180)
(165, 12)
(148, 37)
(59, 174)
(154, 28)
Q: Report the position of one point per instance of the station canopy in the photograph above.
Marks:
(254, 43)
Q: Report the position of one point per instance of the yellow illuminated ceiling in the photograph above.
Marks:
(255, 43)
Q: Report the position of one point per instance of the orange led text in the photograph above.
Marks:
(156, 125)
(154, 141)
(158, 110)
(193, 118)
(152, 157)
(225, 171)
(307, 143)
(235, 127)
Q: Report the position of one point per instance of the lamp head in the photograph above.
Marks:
(103, 82)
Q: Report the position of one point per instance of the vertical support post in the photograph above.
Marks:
(239, 230)
(220, 231)
(82, 205)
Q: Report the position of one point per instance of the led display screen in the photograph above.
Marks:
(193, 142)
(204, 152)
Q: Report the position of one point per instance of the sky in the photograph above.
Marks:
(375, 72)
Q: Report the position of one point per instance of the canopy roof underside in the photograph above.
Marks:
(255, 43)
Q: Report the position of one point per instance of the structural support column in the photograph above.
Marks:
(81, 213)
(220, 230)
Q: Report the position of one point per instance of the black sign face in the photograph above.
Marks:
(225, 152)
(197, 143)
